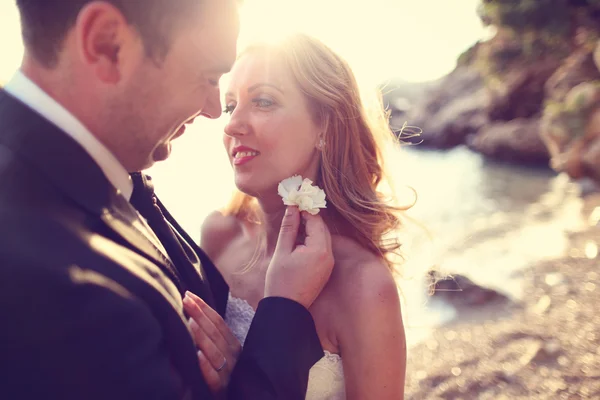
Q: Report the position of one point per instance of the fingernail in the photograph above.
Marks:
(290, 211)
(194, 298)
(188, 300)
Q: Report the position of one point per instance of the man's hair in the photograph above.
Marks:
(45, 23)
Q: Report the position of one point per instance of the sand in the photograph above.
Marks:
(547, 346)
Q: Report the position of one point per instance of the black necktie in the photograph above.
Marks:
(187, 264)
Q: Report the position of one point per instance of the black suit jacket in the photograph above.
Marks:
(212, 282)
(87, 310)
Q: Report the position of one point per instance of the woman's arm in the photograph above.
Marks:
(371, 335)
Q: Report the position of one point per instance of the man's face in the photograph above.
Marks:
(159, 100)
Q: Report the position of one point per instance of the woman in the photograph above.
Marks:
(295, 110)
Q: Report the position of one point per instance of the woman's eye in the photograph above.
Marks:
(263, 102)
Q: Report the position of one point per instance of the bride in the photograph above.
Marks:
(295, 109)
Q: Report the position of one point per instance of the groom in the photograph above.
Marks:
(90, 290)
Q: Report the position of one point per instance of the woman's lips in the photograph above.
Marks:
(243, 154)
(244, 157)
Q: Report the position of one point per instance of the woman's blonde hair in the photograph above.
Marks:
(351, 171)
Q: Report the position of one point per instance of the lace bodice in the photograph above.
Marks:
(326, 378)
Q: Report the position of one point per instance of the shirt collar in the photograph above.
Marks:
(22, 88)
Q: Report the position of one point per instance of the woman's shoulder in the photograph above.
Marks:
(351, 258)
(361, 278)
(218, 230)
(363, 296)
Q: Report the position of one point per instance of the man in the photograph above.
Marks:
(90, 291)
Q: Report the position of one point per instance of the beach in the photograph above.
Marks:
(546, 345)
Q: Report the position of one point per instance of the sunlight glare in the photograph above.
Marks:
(12, 46)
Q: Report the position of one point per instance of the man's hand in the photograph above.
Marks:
(299, 272)
(219, 348)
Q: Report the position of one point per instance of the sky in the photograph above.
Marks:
(381, 39)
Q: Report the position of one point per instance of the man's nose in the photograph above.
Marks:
(212, 109)
(237, 125)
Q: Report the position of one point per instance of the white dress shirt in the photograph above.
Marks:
(33, 96)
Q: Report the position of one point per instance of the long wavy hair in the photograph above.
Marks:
(351, 169)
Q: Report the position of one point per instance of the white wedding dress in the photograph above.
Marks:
(326, 378)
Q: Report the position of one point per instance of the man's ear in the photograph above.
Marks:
(102, 33)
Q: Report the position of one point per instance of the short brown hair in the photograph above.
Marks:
(45, 23)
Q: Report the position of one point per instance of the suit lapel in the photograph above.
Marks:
(73, 172)
(123, 219)
(213, 285)
(195, 275)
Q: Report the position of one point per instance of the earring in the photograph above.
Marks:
(321, 144)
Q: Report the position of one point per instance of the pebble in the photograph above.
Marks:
(552, 346)
(590, 287)
(542, 305)
(555, 278)
(591, 250)
(595, 217)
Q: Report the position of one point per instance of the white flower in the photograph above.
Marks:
(297, 192)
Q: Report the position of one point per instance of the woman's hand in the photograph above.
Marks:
(219, 348)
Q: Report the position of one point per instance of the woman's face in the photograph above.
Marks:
(272, 134)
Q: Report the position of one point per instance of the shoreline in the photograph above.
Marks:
(546, 346)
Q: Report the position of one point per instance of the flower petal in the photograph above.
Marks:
(301, 192)
(286, 185)
(313, 211)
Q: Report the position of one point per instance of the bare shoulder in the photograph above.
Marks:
(361, 279)
(218, 230)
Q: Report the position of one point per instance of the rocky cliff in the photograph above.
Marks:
(530, 94)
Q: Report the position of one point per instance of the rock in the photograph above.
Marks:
(400, 96)
(578, 67)
(461, 291)
(516, 140)
(571, 121)
(570, 130)
(542, 305)
(531, 352)
(597, 55)
(591, 250)
(554, 279)
(451, 110)
(520, 93)
(591, 161)
(594, 217)
(552, 347)
(588, 186)
(543, 352)
(545, 111)
(583, 98)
